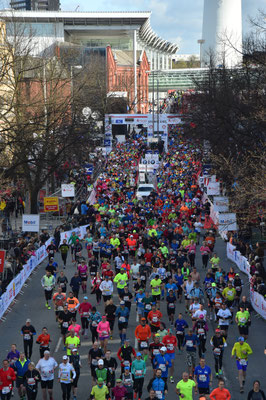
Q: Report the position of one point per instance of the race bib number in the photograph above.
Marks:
(148, 307)
(201, 331)
(94, 361)
(138, 372)
(155, 352)
(27, 336)
(6, 390)
(159, 394)
(171, 305)
(217, 351)
(154, 319)
(162, 367)
(202, 378)
(243, 362)
(94, 323)
(31, 381)
(64, 376)
(65, 324)
(179, 332)
(143, 345)
(170, 346)
(122, 319)
(189, 343)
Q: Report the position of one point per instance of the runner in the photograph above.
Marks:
(48, 283)
(46, 366)
(28, 331)
(220, 393)
(44, 340)
(203, 377)
(241, 350)
(184, 387)
(66, 376)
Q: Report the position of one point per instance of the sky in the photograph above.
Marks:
(178, 21)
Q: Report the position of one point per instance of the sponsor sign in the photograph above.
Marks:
(213, 188)
(228, 220)
(51, 204)
(220, 204)
(68, 190)
(2, 260)
(30, 222)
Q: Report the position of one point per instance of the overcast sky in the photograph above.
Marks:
(179, 21)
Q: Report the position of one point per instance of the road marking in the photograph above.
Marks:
(87, 343)
(58, 344)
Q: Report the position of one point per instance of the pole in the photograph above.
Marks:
(135, 68)
(157, 105)
(153, 95)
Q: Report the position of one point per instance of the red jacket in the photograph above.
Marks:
(7, 377)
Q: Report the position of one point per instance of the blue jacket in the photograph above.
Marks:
(160, 362)
(21, 369)
(158, 385)
(122, 313)
(84, 209)
(180, 325)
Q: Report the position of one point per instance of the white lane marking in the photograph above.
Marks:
(58, 344)
(87, 343)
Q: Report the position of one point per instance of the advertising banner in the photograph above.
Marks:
(220, 204)
(213, 188)
(228, 220)
(51, 204)
(68, 190)
(2, 260)
(30, 222)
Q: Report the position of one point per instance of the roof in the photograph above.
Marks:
(139, 20)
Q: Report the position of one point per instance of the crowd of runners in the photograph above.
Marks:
(144, 251)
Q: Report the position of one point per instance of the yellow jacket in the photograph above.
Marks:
(238, 350)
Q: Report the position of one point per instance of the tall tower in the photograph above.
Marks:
(222, 32)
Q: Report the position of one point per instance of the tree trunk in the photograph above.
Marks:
(34, 208)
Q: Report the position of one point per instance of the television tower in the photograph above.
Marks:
(221, 33)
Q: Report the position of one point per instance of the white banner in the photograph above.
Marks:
(68, 190)
(258, 303)
(228, 220)
(257, 300)
(30, 222)
(220, 204)
(213, 189)
(17, 283)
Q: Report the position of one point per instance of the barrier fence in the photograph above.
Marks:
(257, 300)
(17, 283)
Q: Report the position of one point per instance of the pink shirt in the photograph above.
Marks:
(103, 328)
(76, 328)
(82, 270)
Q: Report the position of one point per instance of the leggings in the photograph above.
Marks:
(205, 259)
(28, 348)
(202, 348)
(5, 396)
(64, 257)
(98, 295)
(31, 395)
(180, 339)
(94, 333)
(84, 322)
(66, 390)
(138, 385)
(191, 258)
(218, 362)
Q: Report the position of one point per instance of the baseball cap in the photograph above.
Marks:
(74, 350)
(119, 380)
(139, 354)
(85, 297)
(28, 320)
(122, 303)
(157, 335)
(163, 348)
(127, 367)
(65, 357)
(100, 380)
(241, 339)
(127, 340)
(213, 284)
(100, 362)
(46, 352)
(143, 319)
(217, 331)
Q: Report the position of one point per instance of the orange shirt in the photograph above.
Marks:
(218, 394)
(143, 332)
(154, 317)
(72, 303)
(43, 340)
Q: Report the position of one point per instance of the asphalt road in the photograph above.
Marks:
(31, 305)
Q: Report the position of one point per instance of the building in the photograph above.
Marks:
(35, 5)
(221, 33)
(130, 31)
(120, 78)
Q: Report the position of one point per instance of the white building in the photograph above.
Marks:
(120, 30)
(222, 32)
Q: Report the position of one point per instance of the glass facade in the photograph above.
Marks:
(117, 40)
